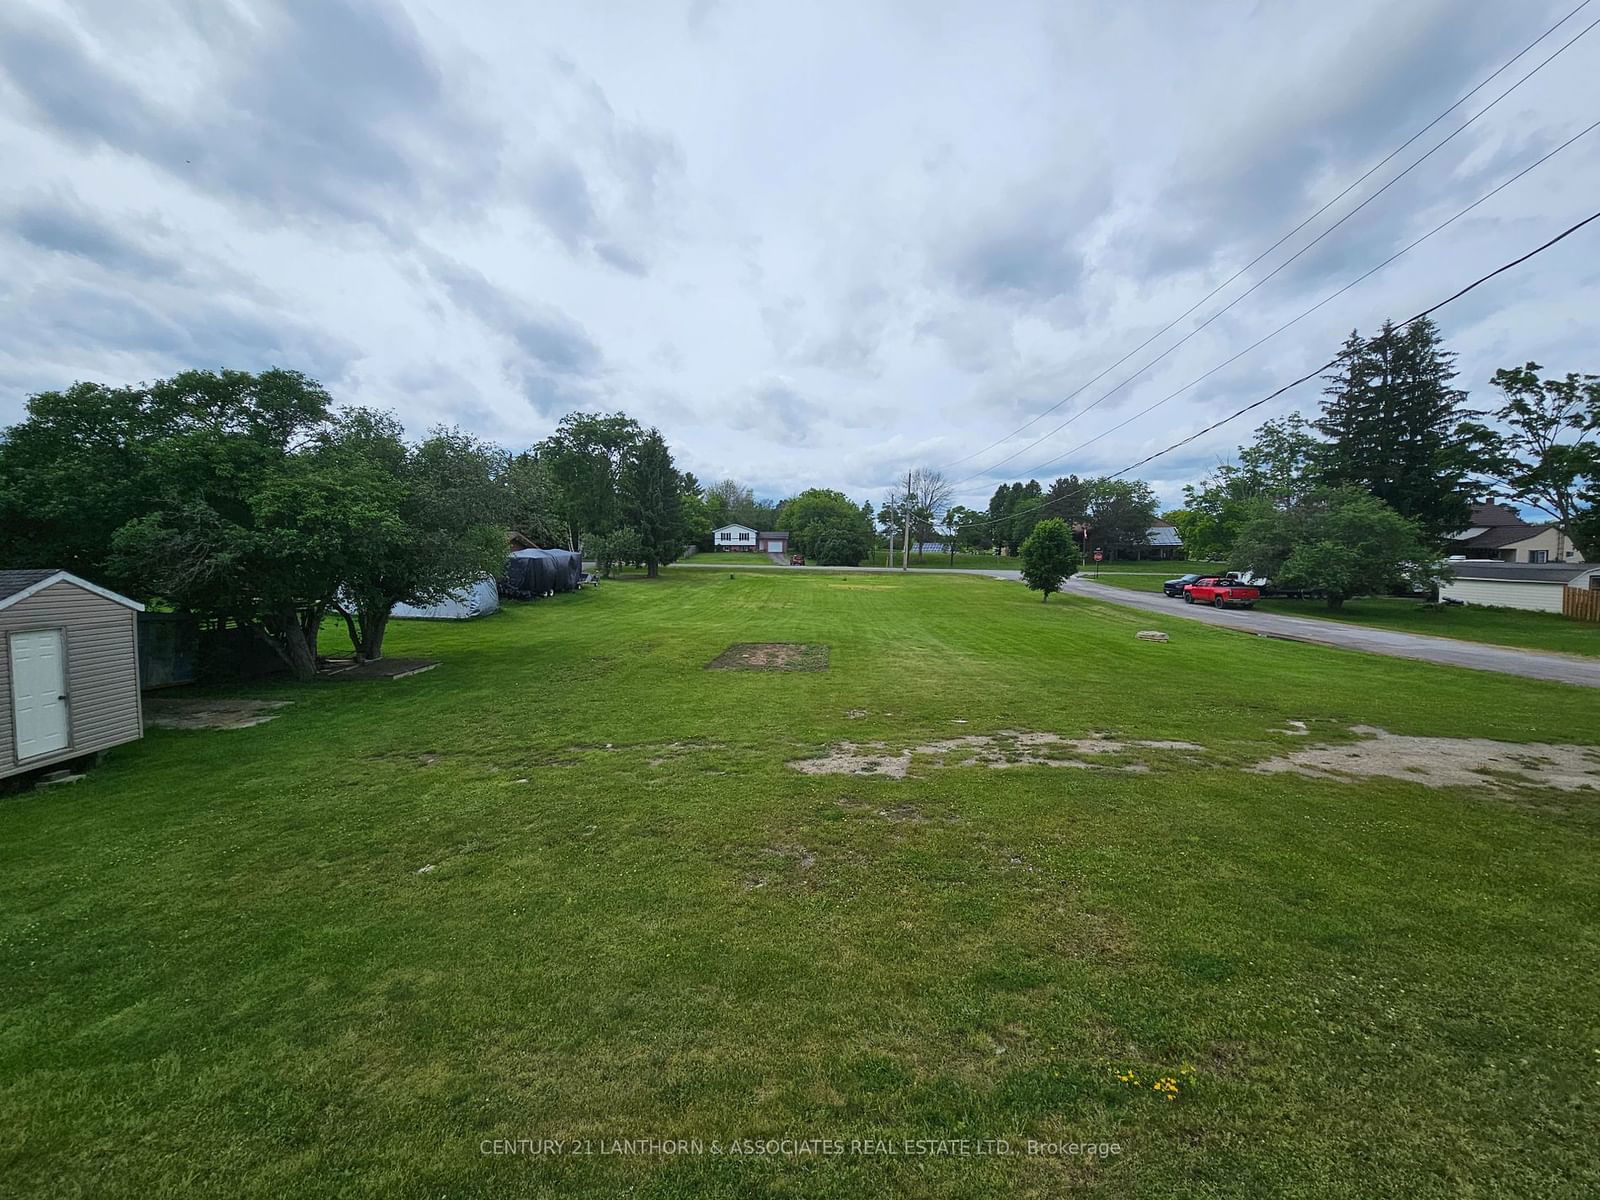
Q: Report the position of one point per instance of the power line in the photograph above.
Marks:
(1287, 262)
(1312, 374)
(1339, 292)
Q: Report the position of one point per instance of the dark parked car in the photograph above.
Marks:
(1174, 587)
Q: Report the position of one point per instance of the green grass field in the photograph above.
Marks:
(221, 972)
(972, 561)
(1471, 623)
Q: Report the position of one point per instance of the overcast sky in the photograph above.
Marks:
(813, 243)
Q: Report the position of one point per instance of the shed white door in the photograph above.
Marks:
(38, 692)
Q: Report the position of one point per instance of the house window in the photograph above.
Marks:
(1538, 556)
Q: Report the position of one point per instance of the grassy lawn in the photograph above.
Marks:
(978, 560)
(222, 973)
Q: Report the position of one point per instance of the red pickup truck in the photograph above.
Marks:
(1221, 592)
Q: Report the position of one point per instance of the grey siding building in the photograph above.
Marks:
(69, 669)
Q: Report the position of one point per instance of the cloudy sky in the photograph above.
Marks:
(813, 243)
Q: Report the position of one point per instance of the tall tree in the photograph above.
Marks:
(206, 492)
(86, 461)
(924, 494)
(1001, 505)
(1121, 512)
(1396, 426)
(963, 529)
(1027, 510)
(445, 529)
(1068, 497)
(586, 456)
(734, 502)
(532, 501)
(652, 503)
(827, 527)
(1274, 469)
(1547, 455)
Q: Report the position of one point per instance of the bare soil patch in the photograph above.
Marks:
(1006, 748)
(169, 713)
(772, 656)
(1446, 762)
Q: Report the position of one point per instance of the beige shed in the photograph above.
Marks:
(69, 669)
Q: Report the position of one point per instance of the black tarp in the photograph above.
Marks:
(531, 573)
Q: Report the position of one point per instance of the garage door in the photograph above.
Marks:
(38, 692)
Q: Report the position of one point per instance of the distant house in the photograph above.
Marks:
(1536, 587)
(1497, 532)
(742, 537)
(1163, 540)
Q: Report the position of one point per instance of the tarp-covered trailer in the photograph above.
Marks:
(532, 573)
(478, 600)
(569, 569)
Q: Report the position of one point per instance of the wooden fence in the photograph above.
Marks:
(1581, 604)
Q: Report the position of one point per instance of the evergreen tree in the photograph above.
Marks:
(1398, 429)
(652, 502)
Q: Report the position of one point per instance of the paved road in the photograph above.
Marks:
(1450, 652)
(1533, 664)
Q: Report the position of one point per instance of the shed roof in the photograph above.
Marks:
(12, 582)
(1517, 572)
(16, 586)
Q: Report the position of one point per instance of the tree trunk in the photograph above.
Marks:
(1336, 602)
(351, 628)
(311, 625)
(374, 625)
(287, 636)
(652, 569)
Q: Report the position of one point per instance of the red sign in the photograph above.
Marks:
(1098, 556)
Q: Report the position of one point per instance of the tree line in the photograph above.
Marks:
(1363, 497)
(251, 499)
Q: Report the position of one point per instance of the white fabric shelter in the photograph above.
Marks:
(478, 600)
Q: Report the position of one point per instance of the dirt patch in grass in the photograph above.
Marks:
(1445, 762)
(772, 656)
(167, 713)
(1007, 748)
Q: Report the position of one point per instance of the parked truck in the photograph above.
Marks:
(1221, 592)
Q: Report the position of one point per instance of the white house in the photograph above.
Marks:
(1533, 586)
(742, 537)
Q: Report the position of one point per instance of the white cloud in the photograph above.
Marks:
(812, 242)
